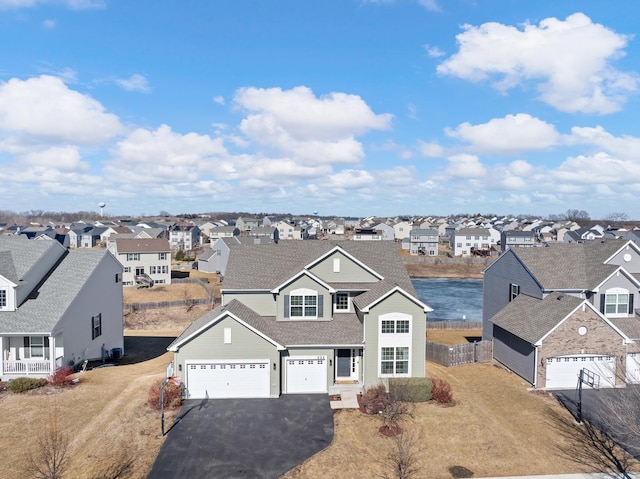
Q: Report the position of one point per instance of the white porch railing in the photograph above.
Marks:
(26, 367)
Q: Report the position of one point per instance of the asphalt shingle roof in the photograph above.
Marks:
(530, 319)
(568, 265)
(51, 299)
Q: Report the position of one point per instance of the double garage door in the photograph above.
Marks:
(563, 371)
(237, 379)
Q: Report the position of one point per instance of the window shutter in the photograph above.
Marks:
(602, 299)
(27, 349)
(631, 304)
(320, 305)
(286, 305)
(46, 341)
(26, 341)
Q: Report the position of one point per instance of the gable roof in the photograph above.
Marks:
(41, 311)
(266, 266)
(565, 266)
(142, 245)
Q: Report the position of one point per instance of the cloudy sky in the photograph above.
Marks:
(345, 107)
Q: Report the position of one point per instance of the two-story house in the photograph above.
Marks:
(557, 310)
(57, 307)
(184, 237)
(518, 239)
(305, 317)
(467, 240)
(145, 262)
(424, 242)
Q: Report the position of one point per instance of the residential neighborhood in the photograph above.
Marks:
(320, 308)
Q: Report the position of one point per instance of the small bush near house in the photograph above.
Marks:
(410, 389)
(441, 391)
(20, 385)
(62, 377)
(375, 399)
(172, 395)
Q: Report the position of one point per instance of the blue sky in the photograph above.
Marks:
(345, 107)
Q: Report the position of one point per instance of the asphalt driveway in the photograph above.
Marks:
(604, 409)
(244, 438)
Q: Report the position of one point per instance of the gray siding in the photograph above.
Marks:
(261, 302)
(245, 344)
(304, 282)
(396, 303)
(616, 281)
(504, 271)
(632, 266)
(514, 353)
(350, 272)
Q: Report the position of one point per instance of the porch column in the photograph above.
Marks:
(52, 354)
(4, 355)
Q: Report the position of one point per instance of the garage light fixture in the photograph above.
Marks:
(274, 366)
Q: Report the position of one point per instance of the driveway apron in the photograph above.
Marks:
(244, 438)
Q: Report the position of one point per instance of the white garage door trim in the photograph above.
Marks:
(563, 371)
(306, 374)
(248, 378)
(633, 368)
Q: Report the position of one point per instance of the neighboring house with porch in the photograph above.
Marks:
(554, 311)
(424, 242)
(57, 306)
(305, 317)
(145, 262)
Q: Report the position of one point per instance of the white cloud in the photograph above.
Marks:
(44, 108)
(135, 82)
(307, 117)
(49, 24)
(465, 166)
(434, 52)
(65, 158)
(219, 99)
(570, 60)
(163, 155)
(398, 177)
(625, 146)
(508, 135)
(349, 179)
(598, 169)
(430, 150)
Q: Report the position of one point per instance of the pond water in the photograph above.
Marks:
(451, 299)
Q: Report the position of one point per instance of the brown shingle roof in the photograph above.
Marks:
(142, 245)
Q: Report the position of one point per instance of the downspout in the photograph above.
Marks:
(535, 366)
(52, 353)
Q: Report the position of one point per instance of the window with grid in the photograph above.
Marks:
(617, 303)
(342, 302)
(133, 256)
(303, 306)
(393, 326)
(394, 360)
(96, 326)
(3, 298)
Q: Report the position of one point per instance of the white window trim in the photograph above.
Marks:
(341, 310)
(617, 292)
(304, 292)
(395, 340)
(227, 335)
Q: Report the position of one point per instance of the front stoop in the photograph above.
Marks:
(348, 400)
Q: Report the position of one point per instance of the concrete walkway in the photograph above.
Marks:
(348, 400)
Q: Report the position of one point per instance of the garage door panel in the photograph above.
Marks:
(228, 380)
(633, 368)
(306, 375)
(563, 372)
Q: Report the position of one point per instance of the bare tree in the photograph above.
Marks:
(403, 460)
(49, 460)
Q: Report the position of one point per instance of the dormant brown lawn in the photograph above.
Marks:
(496, 427)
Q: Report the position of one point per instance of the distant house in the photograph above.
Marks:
(57, 306)
(387, 232)
(92, 237)
(467, 240)
(184, 237)
(260, 231)
(367, 234)
(247, 224)
(223, 232)
(424, 242)
(145, 261)
(522, 239)
(214, 259)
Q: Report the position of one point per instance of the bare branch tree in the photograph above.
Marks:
(49, 460)
(403, 460)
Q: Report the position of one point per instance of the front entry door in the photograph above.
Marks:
(347, 364)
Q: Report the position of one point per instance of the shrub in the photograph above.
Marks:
(441, 391)
(172, 395)
(410, 389)
(62, 377)
(375, 399)
(20, 385)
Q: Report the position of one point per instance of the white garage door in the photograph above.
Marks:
(307, 375)
(633, 368)
(238, 379)
(563, 371)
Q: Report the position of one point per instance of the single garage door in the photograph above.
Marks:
(563, 371)
(307, 375)
(237, 379)
(633, 368)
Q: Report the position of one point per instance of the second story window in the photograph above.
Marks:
(3, 298)
(162, 256)
(514, 291)
(303, 304)
(342, 301)
(133, 256)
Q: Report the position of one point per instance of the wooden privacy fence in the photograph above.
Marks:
(454, 325)
(187, 303)
(478, 352)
